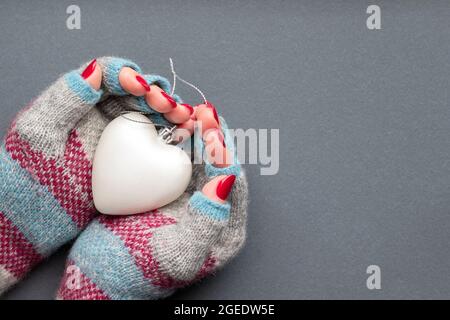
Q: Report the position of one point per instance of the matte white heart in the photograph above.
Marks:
(134, 171)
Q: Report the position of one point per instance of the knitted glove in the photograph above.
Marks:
(45, 167)
(150, 255)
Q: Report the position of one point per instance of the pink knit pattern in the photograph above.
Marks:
(136, 232)
(78, 165)
(84, 290)
(68, 179)
(17, 254)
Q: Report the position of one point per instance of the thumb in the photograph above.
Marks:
(219, 188)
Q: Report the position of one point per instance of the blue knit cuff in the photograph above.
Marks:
(206, 206)
(143, 106)
(211, 170)
(177, 98)
(155, 117)
(111, 74)
(81, 88)
(164, 84)
(159, 81)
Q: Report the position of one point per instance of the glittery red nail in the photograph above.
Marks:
(143, 83)
(189, 107)
(220, 137)
(173, 103)
(89, 69)
(224, 187)
(211, 106)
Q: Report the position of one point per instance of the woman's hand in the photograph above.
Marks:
(135, 84)
(150, 255)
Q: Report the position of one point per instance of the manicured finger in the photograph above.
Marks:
(159, 100)
(219, 188)
(132, 82)
(216, 150)
(180, 114)
(181, 135)
(184, 131)
(93, 75)
(207, 117)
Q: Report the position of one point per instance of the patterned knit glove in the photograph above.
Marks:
(45, 168)
(150, 255)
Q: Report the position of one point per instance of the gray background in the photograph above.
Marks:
(364, 121)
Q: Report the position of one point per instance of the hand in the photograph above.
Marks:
(46, 160)
(149, 255)
(217, 153)
(135, 84)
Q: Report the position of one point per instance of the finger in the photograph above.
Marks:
(181, 135)
(216, 150)
(132, 82)
(93, 75)
(180, 114)
(184, 131)
(159, 100)
(207, 117)
(219, 188)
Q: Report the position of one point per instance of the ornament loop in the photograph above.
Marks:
(166, 133)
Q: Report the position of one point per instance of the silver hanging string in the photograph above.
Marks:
(124, 113)
(166, 133)
(176, 76)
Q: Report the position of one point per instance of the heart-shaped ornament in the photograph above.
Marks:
(134, 170)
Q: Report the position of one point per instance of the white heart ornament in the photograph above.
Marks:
(134, 170)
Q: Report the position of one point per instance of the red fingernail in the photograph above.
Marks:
(143, 83)
(210, 105)
(170, 99)
(194, 116)
(89, 69)
(189, 107)
(220, 137)
(224, 187)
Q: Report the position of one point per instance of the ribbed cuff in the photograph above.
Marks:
(203, 205)
(111, 70)
(159, 81)
(81, 88)
(164, 84)
(211, 170)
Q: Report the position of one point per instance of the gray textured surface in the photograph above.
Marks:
(364, 118)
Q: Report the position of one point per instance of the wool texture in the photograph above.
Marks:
(46, 201)
(150, 255)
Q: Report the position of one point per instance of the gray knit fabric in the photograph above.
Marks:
(160, 251)
(224, 238)
(144, 256)
(45, 166)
